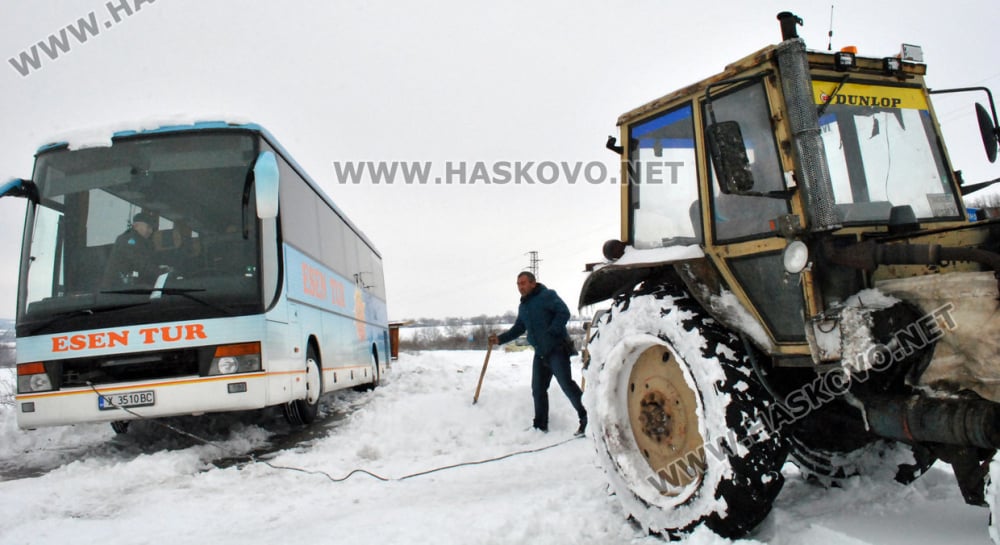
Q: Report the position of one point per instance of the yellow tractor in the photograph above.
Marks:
(799, 278)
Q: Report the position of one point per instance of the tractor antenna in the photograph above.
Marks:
(829, 45)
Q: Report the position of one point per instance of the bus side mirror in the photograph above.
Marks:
(265, 175)
(729, 157)
(988, 131)
(20, 188)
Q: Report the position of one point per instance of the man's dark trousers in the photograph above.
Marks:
(555, 364)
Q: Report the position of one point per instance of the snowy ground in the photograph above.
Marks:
(84, 485)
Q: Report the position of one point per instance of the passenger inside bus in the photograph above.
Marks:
(228, 252)
(176, 247)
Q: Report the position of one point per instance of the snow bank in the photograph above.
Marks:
(153, 487)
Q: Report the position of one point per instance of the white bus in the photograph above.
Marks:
(248, 289)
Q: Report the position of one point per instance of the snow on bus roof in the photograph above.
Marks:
(100, 136)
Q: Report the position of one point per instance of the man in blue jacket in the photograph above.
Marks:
(131, 260)
(544, 315)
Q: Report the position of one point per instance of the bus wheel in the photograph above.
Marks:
(303, 411)
(376, 376)
(120, 426)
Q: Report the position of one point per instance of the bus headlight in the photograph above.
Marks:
(228, 365)
(31, 377)
(236, 358)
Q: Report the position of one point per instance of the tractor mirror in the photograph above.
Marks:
(729, 157)
(988, 131)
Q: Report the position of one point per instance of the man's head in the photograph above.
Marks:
(142, 223)
(525, 283)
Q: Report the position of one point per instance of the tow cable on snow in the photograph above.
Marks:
(251, 459)
(419, 473)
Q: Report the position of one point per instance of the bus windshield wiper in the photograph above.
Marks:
(80, 312)
(183, 292)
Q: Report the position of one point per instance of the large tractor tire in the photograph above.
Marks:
(677, 418)
(881, 458)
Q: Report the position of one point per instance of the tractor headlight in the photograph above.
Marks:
(795, 257)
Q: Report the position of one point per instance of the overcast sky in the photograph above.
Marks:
(446, 81)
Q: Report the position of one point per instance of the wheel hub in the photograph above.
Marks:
(656, 421)
(312, 381)
(663, 413)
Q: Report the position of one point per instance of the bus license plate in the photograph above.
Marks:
(125, 399)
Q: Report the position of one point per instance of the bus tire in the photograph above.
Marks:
(300, 412)
(376, 374)
(120, 426)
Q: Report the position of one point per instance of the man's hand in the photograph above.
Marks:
(493, 339)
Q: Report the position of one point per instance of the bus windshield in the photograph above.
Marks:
(154, 227)
(883, 152)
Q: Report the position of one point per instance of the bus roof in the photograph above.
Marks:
(91, 139)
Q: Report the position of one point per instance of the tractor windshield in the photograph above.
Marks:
(883, 152)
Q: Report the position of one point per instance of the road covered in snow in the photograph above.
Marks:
(259, 481)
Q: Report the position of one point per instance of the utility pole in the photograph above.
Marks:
(533, 264)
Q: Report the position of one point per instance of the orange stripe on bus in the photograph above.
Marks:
(150, 385)
(41, 395)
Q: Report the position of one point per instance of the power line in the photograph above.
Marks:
(533, 263)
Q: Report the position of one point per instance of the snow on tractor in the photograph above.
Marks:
(798, 278)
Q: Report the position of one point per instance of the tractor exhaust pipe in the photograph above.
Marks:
(920, 420)
(788, 23)
(810, 156)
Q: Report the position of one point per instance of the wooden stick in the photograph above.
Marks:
(482, 373)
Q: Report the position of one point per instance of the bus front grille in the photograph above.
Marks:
(127, 368)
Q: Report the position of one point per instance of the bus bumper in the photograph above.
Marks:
(186, 396)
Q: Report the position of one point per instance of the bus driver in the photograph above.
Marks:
(131, 259)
